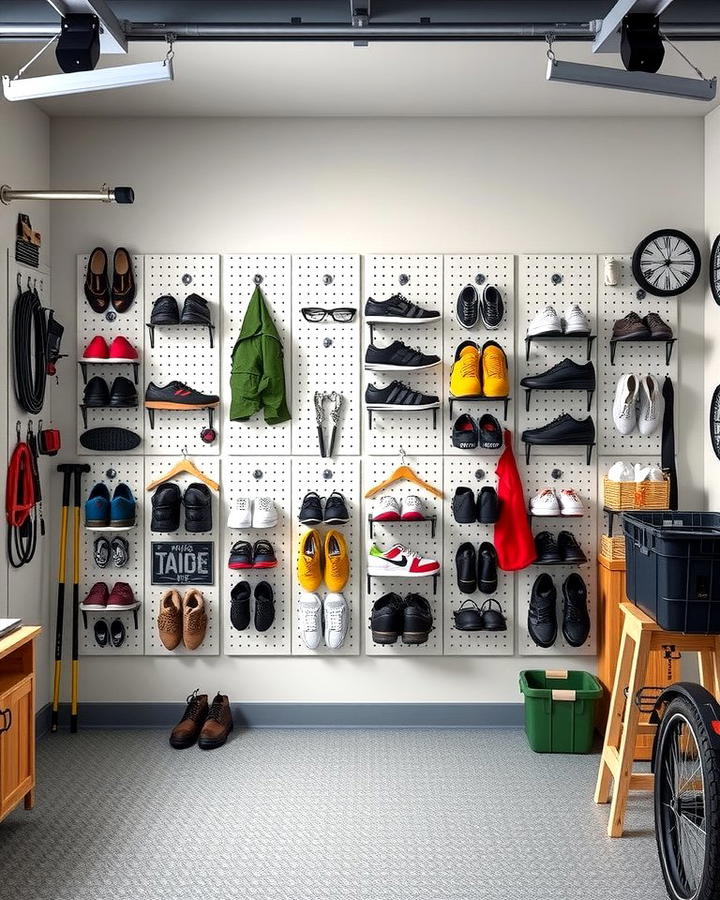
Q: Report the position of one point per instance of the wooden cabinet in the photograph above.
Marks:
(17, 719)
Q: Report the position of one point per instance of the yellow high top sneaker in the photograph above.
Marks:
(495, 370)
(465, 373)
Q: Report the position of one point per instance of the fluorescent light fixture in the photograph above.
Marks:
(643, 82)
(83, 82)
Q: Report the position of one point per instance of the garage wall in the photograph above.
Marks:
(712, 311)
(372, 185)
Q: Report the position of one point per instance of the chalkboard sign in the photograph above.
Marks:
(182, 562)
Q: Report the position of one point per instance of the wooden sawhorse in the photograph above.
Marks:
(641, 635)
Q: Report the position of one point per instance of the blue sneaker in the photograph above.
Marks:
(97, 507)
(122, 508)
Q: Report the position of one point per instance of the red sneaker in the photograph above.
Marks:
(121, 350)
(121, 596)
(97, 598)
(96, 350)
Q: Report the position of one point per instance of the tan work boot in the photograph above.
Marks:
(218, 725)
(194, 619)
(186, 732)
(169, 620)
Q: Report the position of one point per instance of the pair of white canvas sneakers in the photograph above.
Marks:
(638, 403)
(627, 471)
(564, 503)
(247, 513)
(326, 619)
(547, 322)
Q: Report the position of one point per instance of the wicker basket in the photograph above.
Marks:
(612, 547)
(636, 494)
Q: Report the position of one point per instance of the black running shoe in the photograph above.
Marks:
(264, 555)
(198, 508)
(177, 395)
(101, 552)
(165, 504)
(195, 311)
(240, 605)
(398, 309)
(465, 433)
(398, 396)
(542, 613)
(123, 393)
(241, 555)
(96, 392)
(336, 509)
(564, 376)
(546, 548)
(466, 568)
(398, 357)
(120, 552)
(386, 619)
(467, 309)
(576, 619)
(165, 311)
(570, 550)
(563, 430)
(492, 308)
(264, 606)
(311, 510)
(417, 620)
(463, 505)
(487, 568)
(490, 434)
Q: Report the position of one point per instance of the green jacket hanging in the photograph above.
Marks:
(257, 380)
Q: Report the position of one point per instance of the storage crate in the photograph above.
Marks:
(673, 568)
(612, 547)
(636, 494)
(559, 709)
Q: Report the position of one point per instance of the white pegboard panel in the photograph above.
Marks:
(572, 473)
(182, 353)
(254, 478)
(240, 274)
(464, 473)
(638, 358)
(343, 475)
(417, 537)
(129, 471)
(536, 289)
(156, 467)
(130, 325)
(329, 282)
(458, 272)
(383, 277)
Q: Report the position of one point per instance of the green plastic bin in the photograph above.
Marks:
(559, 709)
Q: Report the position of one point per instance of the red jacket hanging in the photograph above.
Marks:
(514, 540)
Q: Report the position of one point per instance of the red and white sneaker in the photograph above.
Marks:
(387, 510)
(97, 350)
(399, 562)
(121, 350)
(412, 509)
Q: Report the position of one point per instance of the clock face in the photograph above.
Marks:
(715, 421)
(666, 263)
(715, 269)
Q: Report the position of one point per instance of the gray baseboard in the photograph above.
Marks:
(300, 715)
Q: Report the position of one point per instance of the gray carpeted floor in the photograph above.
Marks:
(320, 815)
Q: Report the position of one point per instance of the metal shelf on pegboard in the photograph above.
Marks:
(84, 363)
(151, 326)
(84, 407)
(392, 412)
(541, 338)
(479, 398)
(432, 519)
(669, 344)
(435, 577)
(529, 391)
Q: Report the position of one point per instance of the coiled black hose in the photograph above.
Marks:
(29, 329)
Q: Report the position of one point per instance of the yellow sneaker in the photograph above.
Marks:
(337, 562)
(309, 565)
(495, 370)
(465, 373)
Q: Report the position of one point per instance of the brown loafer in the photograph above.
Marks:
(194, 619)
(123, 284)
(97, 286)
(186, 732)
(218, 724)
(170, 620)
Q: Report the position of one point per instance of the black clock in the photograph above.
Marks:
(666, 263)
(715, 269)
(715, 421)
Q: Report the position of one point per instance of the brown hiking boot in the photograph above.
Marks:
(630, 328)
(186, 732)
(659, 329)
(170, 625)
(194, 619)
(218, 725)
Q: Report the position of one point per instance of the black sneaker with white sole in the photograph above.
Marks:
(311, 509)
(101, 552)
(400, 310)
(336, 512)
(467, 308)
(120, 552)
(398, 396)
(398, 357)
(492, 308)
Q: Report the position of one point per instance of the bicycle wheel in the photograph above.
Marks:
(687, 805)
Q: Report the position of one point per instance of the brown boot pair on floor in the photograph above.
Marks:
(182, 619)
(208, 724)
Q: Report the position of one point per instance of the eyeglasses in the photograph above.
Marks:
(317, 313)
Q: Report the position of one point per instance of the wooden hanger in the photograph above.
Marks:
(184, 466)
(404, 472)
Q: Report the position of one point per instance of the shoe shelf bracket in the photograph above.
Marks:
(588, 450)
(539, 338)
(435, 577)
(210, 329)
(432, 519)
(528, 395)
(84, 408)
(480, 399)
(111, 614)
(392, 412)
(84, 363)
(210, 411)
(669, 344)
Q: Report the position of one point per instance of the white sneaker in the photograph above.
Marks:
(545, 503)
(576, 322)
(652, 405)
(624, 407)
(656, 474)
(388, 509)
(336, 621)
(265, 514)
(570, 503)
(545, 322)
(240, 514)
(310, 612)
(621, 471)
(412, 509)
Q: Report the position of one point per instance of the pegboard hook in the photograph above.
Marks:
(327, 280)
(402, 456)
(258, 279)
(184, 452)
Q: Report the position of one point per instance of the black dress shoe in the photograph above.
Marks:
(570, 550)
(198, 508)
(546, 548)
(468, 616)
(386, 619)
(576, 619)
(466, 568)
(566, 375)
(240, 605)
(488, 506)
(96, 392)
(542, 611)
(165, 504)
(463, 506)
(165, 311)
(417, 620)
(490, 433)
(123, 393)
(465, 433)
(487, 568)
(264, 606)
(97, 286)
(195, 311)
(563, 430)
(123, 283)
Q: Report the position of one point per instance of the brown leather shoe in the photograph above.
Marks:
(218, 725)
(630, 328)
(186, 732)
(170, 620)
(97, 286)
(194, 619)
(123, 284)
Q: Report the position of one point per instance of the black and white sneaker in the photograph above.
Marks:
(490, 433)
(398, 396)
(311, 509)
(467, 309)
(400, 310)
(492, 308)
(101, 552)
(398, 357)
(120, 552)
(465, 433)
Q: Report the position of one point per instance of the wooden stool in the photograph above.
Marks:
(640, 636)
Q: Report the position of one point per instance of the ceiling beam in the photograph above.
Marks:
(608, 37)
